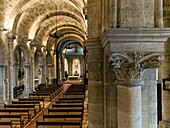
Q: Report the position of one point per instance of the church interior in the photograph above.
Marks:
(84, 64)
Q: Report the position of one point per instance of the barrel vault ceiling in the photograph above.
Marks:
(39, 20)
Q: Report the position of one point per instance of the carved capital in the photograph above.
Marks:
(131, 66)
(32, 43)
(11, 36)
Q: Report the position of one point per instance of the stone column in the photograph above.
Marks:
(129, 68)
(165, 123)
(129, 104)
(32, 46)
(55, 66)
(16, 83)
(95, 84)
(3, 83)
(70, 66)
(11, 37)
(44, 65)
(158, 13)
(40, 67)
(26, 80)
(50, 68)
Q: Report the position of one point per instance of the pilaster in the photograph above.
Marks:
(50, 68)
(95, 84)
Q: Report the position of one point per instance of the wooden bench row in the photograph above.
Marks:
(67, 111)
(19, 113)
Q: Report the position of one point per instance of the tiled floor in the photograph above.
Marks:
(32, 124)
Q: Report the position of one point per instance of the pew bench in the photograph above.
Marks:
(62, 117)
(65, 110)
(74, 95)
(58, 124)
(7, 124)
(69, 101)
(36, 103)
(47, 96)
(33, 99)
(68, 106)
(31, 107)
(23, 111)
(69, 98)
(16, 119)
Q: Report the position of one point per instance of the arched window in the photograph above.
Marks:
(76, 67)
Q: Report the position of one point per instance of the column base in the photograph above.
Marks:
(163, 124)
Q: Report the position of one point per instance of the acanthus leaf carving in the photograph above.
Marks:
(131, 66)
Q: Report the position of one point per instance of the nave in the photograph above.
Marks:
(52, 106)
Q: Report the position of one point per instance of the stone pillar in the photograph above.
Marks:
(32, 46)
(44, 75)
(16, 82)
(136, 13)
(11, 37)
(3, 84)
(165, 123)
(62, 67)
(123, 42)
(70, 62)
(55, 66)
(50, 68)
(26, 80)
(40, 70)
(158, 13)
(95, 85)
(129, 104)
(129, 68)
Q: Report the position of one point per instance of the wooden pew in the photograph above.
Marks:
(33, 99)
(23, 111)
(17, 119)
(69, 101)
(53, 89)
(65, 110)
(62, 117)
(68, 98)
(60, 124)
(30, 106)
(41, 95)
(67, 106)
(36, 103)
(7, 124)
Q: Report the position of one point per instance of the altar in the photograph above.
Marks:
(73, 78)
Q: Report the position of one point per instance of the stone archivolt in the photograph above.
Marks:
(131, 66)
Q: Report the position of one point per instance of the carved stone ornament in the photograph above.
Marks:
(131, 66)
(11, 36)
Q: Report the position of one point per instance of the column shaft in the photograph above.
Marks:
(10, 68)
(3, 84)
(50, 67)
(26, 80)
(40, 74)
(129, 106)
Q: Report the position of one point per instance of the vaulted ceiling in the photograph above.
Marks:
(36, 20)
